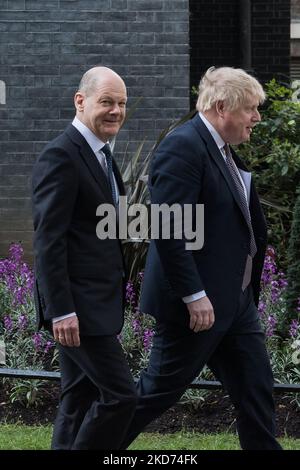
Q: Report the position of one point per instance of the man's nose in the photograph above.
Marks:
(257, 116)
(115, 109)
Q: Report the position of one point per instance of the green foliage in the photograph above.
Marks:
(132, 339)
(282, 331)
(135, 180)
(27, 392)
(195, 441)
(285, 364)
(195, 397)
(137, 332)
(25, 347)
(21, 437)
(22, 353)
(273, 154)
(293, 256)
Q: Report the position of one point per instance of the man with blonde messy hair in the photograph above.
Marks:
(205, 301)
(234, 86)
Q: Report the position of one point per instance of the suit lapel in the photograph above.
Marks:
(214, 151)
(90, 160)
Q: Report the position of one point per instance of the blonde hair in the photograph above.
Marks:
(234, 86)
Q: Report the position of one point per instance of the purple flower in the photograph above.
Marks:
(282, 281)
(275, 291)
(27, 277)
(22, 322)
(19, 295)
(270, 327)
(16, 252)
(8, 323)
(37, 340)
(136, 325)
(7, 269)
(147, 339)
(130, 293)
(270, 268)
(11, 282)
(49, 345)
(294, 328)
(262, 307)
(16, 276)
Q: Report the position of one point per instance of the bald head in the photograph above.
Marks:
(94, 76)
(101, 102)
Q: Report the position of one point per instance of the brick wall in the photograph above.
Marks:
(46, 45)
(214, 36)
(295, 8)
(271, 39)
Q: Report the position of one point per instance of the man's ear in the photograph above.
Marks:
(220, 108)
(79, 101)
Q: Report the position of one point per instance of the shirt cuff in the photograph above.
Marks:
(191, 298)
(54, 320)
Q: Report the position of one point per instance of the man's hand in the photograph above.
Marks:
(66, 332)
(202, 315)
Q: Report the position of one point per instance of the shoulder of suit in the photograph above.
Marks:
(59, 150)
(185, 136)
(63, 142)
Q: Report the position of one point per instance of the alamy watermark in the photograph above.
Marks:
(2, 92)
(159, 221)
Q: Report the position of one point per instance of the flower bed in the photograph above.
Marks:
(25, 348)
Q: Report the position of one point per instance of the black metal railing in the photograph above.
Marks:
(198, 383)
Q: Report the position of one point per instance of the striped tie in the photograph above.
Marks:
(238, 184)
(107, 152)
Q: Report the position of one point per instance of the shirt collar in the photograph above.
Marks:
(94, 142)
(215, 135)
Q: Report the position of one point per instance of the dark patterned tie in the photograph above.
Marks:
(238, 184)
(107, 152)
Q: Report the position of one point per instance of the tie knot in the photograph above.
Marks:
(106, 150)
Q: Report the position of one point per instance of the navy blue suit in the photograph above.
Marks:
(188, 168)
(77, 272)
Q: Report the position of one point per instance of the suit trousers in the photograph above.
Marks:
(98, 395)
(237, 357)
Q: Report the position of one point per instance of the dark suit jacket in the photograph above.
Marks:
(75, 271)
(188, 168)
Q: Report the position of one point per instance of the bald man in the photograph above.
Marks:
(79, 277)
